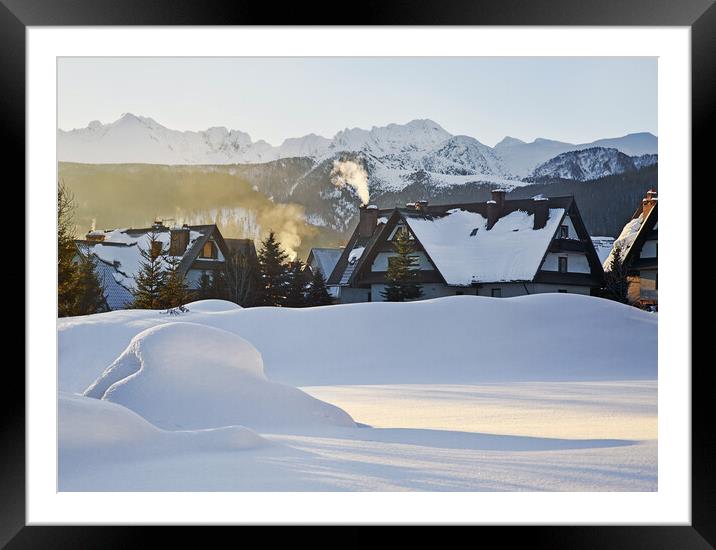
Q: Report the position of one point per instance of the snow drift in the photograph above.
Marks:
(187, 376)
(212, 306)
(460, 339)
(89, 427)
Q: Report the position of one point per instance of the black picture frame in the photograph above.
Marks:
(700, 15)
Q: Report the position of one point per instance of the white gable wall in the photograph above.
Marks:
(572, 231)
(576, 262)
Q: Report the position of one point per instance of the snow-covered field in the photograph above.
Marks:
(549, 392)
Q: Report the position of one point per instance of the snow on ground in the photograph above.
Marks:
(592, 410)
(212, 306)
(189, 376)
(459, 339)
(95, 436)
(548, 392)
(452, 454)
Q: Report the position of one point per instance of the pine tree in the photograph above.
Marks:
(175, 291)
(318, 291)
(150, 281)
(243, 278)
(219, 288)
(203, 292)
(67, 270)
(90, 293)
(297, 285)
(274, 274)
(616, 282)
(401, 276)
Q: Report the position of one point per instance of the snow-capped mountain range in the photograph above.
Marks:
(590, 164)
(393, 154)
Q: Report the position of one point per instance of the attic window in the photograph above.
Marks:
(209, 250)
(563, 232)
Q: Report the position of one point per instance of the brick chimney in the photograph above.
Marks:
(178, 240)
(95, 236)
(421, 206)
(649, 201)
(495, 207)
(368, 220)
(541, 212)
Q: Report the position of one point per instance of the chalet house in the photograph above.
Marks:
(117, 252)
(639, 242)
(497, 248)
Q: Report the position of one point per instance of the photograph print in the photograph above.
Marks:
(433, 274)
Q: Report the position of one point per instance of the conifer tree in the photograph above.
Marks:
(274, 274)
(175, 291)
(318, 291)
(203, 292)
(297, 285)
(219, 289)
(616, 283)
(149, 282)
(243, 278)
(67, 270)
(90, 293)
(401, 276)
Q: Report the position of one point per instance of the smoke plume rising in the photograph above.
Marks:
(350, 173)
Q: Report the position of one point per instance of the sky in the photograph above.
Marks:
(573, 99)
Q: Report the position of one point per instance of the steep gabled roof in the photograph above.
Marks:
(121, 248)
(456, 241)
(326, 259)
(634, 233)
(350, 259)
(466, 252)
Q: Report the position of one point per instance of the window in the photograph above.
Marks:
(496, 293)
(563, 264)
(562, 290)
(459, 293)
(563, 232)
(209, 250)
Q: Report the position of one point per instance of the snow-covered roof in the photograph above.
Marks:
(603, 247)
(122, 249)
(118, 257)
(326, 259)
(465, 251)
(626, 239)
